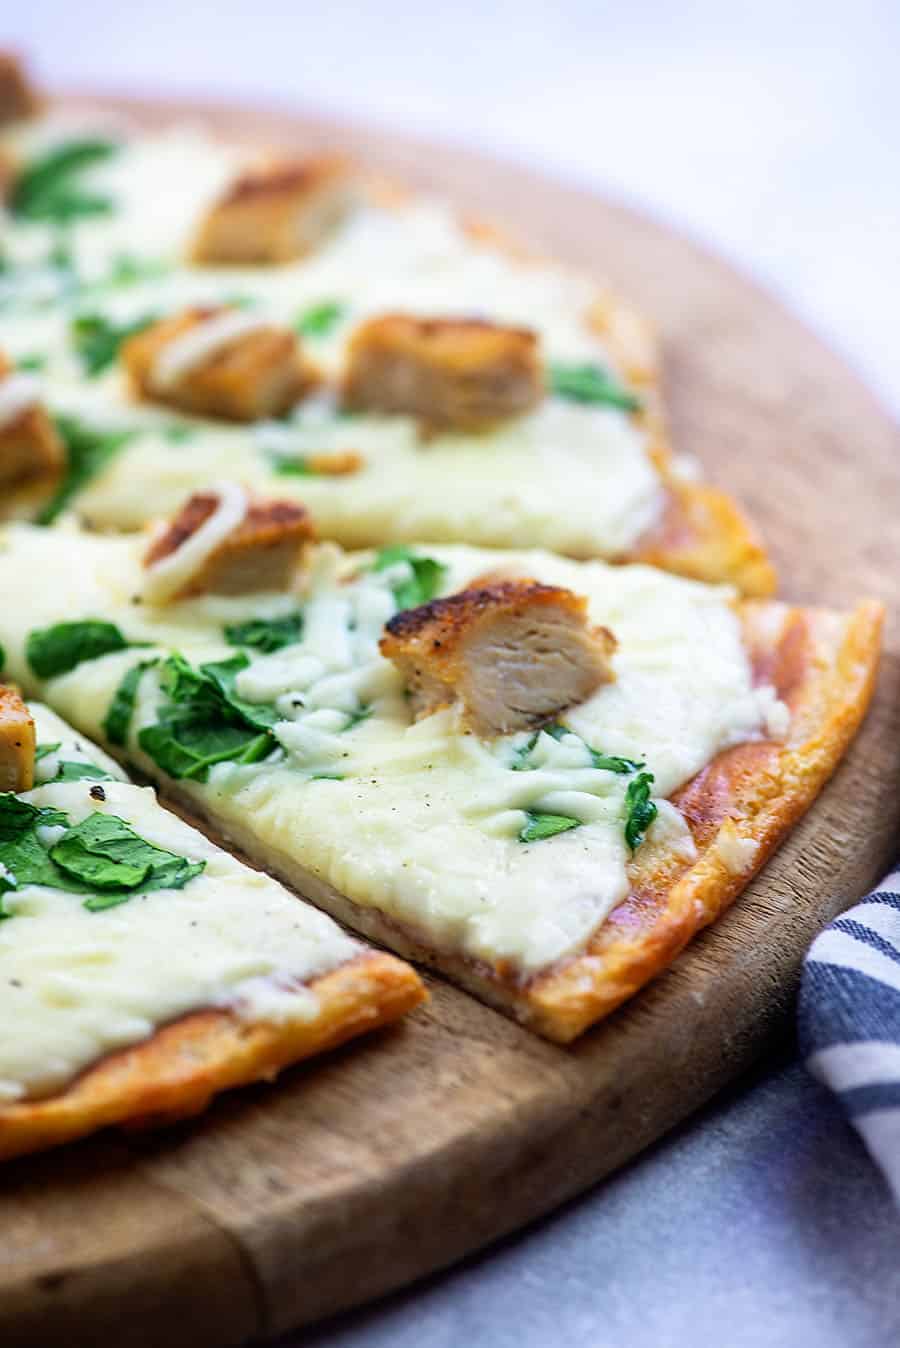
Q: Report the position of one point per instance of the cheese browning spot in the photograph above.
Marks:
(219, 362)
(278, 212)
(17, 742)
(450, 373)
(223, 543)
(30, 448)
(515, 654)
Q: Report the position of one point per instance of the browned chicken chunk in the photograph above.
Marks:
(16, 742)
(260, 552)
(515, 654)
(31, 450)
(219, 362)
(451, 373)
(18, 98)
(278, 212)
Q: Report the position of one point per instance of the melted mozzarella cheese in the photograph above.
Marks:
(77, 985)
(574, 478)
(420, 820)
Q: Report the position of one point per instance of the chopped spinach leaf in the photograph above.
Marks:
(591, 384)
(47, 188)
(204, 721)
(320, 319)
(71, 771)
(88, 451)
(78, 772)
(425, 581)
(292, 465)
(118, 718)
(266, 634)
(97, 338)
(55, 650)
(538, 826)
(177, 435)
(22, 854)
(33, 361)
(104, 852)
(640, 809)
(127, 270)
(609, 762)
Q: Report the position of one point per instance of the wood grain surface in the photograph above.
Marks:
(396, 1156)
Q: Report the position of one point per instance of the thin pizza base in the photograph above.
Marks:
(174, 1074)
(823, 665)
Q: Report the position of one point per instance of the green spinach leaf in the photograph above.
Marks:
(55, 650)
(266, 634)
(118, 718)
(88, 451)
(47, 188)
(204, 721)
(104, 852)
(320, 319)
(539, 826)
(591, 384)
(97, 338)
(425, 581)
(640, 809)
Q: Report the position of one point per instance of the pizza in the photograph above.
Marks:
(178, 310)
(145, 969)
(539, 775)
(356, 529)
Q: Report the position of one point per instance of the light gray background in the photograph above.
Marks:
(772, 132)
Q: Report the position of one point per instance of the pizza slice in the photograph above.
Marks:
(144, 969)
(539, 775)
(290, 323)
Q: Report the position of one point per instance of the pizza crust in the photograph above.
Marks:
(739, 808)
(174, 1074)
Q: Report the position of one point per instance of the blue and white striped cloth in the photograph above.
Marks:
(850, 1019)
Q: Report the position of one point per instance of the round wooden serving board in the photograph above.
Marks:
(396, 1156)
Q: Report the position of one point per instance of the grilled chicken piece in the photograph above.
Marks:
(260, 551)
(278, 212)
(219, 362)
(30, 447)
(17, 742)
(515, 654)
(18, 97)
(451, 373)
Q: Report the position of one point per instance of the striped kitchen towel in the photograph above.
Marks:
(850, 1019)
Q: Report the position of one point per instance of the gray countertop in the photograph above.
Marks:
(761, 1223)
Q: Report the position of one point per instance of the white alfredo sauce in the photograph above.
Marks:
(76, 985)
(420, 820)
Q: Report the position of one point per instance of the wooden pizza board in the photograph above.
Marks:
(396, 1156)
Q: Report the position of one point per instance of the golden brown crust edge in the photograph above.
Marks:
(176, 1072)
(755, 792)
(704, 534)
